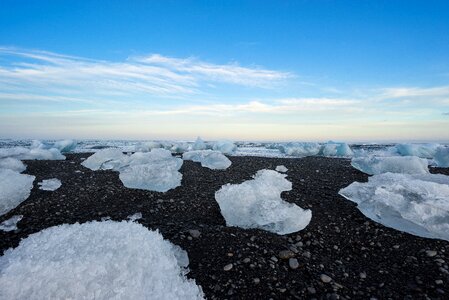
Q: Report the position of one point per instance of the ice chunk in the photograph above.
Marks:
(135, 217)
(181, 256)
(147, 146)
(96, 260)
(420, 150)
(214, 160)
(257, 203)
(32, 154)
(155, 171)
(199, 144)
(180, 148)
(417, 204)
(43, 154)
(105, 159)
(442, 157)
(12, 164)
(336, 149)
(50, 184)
(10, 224)
(395, 164)
(153, 177)
(14, 188)
(15, 152)
(226, 147)
(154, 156)
(65, 145)
(300, 149)
(281, 169)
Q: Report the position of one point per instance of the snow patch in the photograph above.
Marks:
(417, 204)
(14, 189)
(257, 203)
(96, 260)
(214, 160)
(50, 184)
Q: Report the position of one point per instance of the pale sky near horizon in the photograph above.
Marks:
(240, 70)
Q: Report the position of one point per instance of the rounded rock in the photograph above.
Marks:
(324, 278)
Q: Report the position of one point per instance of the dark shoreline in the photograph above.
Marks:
(339, 242)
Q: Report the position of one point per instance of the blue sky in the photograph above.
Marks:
(254, 70)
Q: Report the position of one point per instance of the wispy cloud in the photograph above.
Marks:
(281, 106)
(29, 72)
(409, 92)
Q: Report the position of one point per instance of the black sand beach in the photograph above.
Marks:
(340, 254)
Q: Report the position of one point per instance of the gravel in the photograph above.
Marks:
(339, 242)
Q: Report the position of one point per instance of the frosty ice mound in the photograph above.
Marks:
(417, 204)
(257, 203)
(155, 171)
(395, 164)
(97, 260)
(14, 188)
(208, 158)
(50, 184)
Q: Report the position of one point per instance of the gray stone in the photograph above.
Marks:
(324, 278)
(194, 233)
(293, 263)
(228, 267)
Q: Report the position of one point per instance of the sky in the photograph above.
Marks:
(240, 70)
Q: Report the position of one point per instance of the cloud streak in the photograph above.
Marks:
(44, 72)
